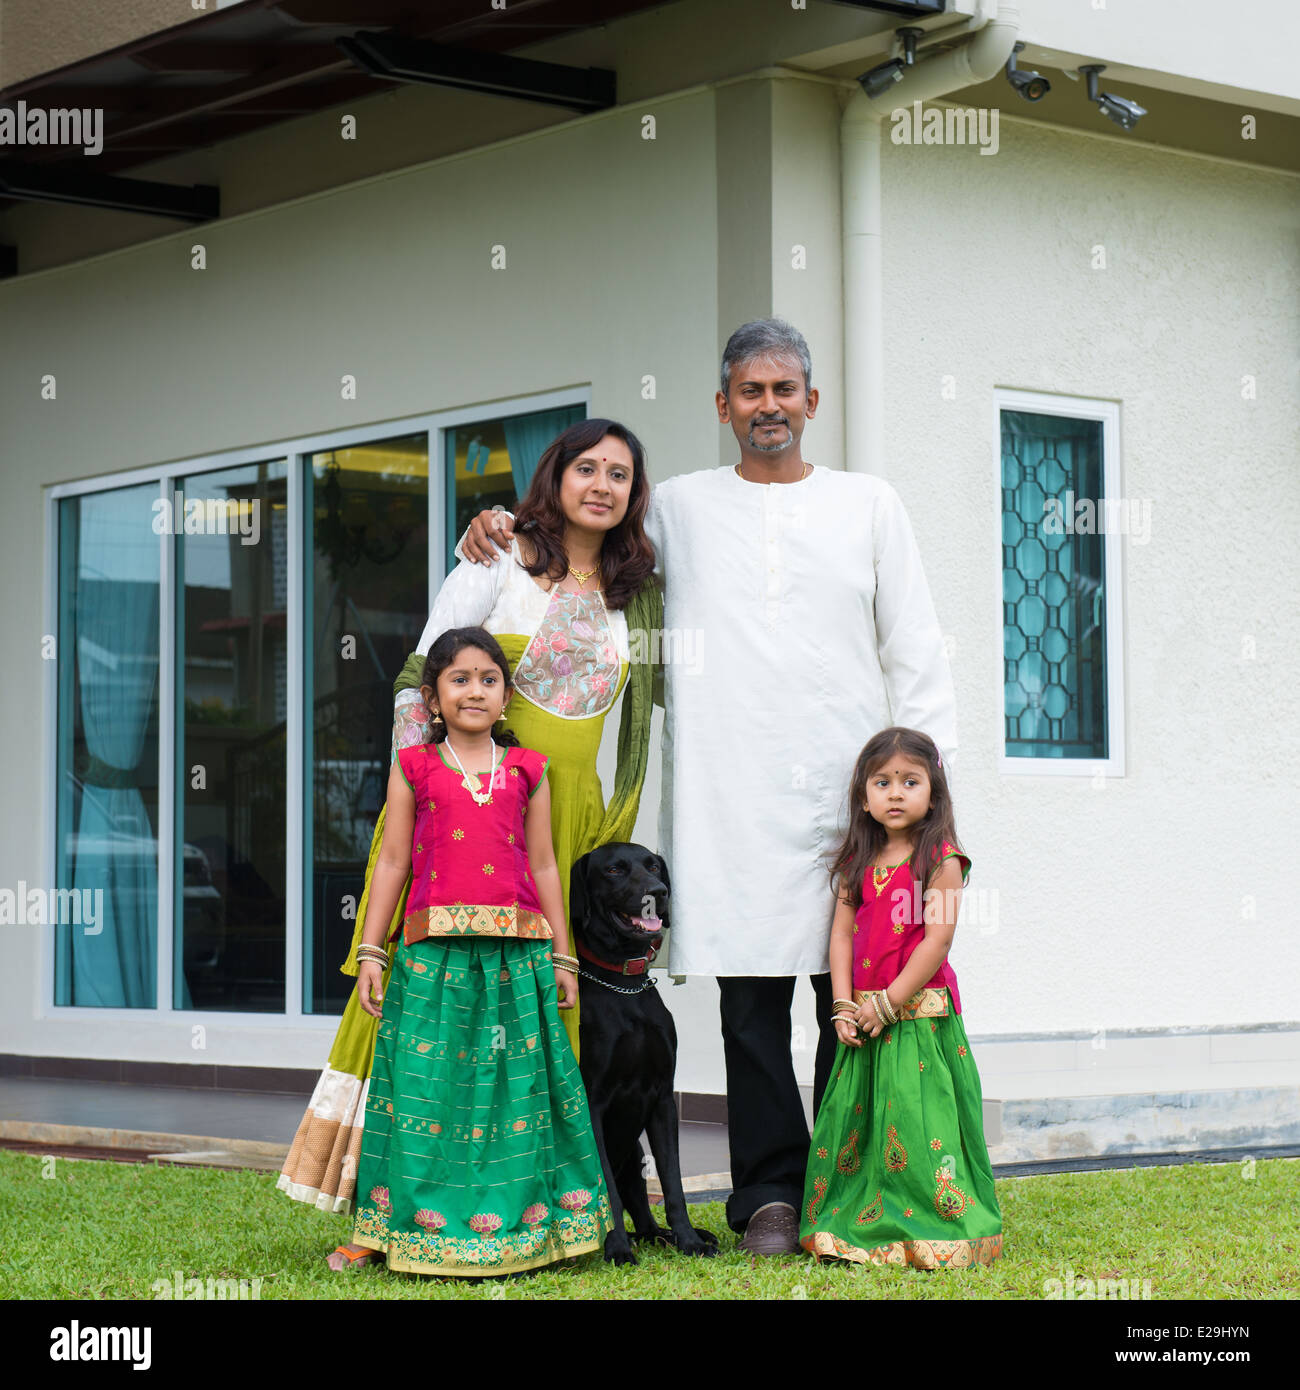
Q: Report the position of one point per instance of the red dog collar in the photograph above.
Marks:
(636, 965)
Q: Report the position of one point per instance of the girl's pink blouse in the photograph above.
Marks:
(469, 863)
(890, 925)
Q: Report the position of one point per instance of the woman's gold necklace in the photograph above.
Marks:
(583, 575)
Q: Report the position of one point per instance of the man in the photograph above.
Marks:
(802, 589)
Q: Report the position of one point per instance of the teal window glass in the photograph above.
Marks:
(1053, 587)
(105, 917)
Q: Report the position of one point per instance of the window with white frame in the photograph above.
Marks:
(229, 630)
(1061, 517)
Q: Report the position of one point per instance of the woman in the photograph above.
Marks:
(580, 575)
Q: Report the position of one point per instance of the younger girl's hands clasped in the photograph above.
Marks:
(865, 1020)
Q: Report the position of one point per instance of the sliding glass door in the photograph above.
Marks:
(228, 635)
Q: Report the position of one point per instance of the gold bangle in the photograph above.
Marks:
(848, 1003)
(848, 1018)
(890, 1013)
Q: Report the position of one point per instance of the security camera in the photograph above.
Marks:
(1121, 110)
(1033, 86)
(879, 80)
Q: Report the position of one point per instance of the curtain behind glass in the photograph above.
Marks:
(527, 437)
(107, 770)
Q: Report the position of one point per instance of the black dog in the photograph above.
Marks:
(627, 1045)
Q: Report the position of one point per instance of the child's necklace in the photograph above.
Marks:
(472, 785)
(880, 877)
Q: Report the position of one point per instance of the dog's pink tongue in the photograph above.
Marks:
(648, 924)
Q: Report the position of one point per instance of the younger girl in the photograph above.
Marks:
(899, 1172)
(477, 1155)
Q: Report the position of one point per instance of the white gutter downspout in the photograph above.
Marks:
(861, 132)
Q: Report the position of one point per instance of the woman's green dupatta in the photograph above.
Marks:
(645, 619)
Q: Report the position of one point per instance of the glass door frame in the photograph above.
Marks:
(169, 477)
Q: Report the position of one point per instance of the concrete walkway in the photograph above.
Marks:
(246, 1129)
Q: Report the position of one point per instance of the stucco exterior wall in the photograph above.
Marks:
(1121, 903)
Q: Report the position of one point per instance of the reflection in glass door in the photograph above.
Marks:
(231, 706)
(367, 603)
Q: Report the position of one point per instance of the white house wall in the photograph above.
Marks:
(1123, 903)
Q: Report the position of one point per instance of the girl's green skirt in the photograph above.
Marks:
(899, 1172)
(477, 1156)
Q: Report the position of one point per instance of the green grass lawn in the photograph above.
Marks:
(107, 1230)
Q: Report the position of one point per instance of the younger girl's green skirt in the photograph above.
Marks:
(899, 1172)
(477, 1155)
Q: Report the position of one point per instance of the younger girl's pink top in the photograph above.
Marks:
(469, 863)
(890, 925)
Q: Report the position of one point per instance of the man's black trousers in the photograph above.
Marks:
(767, 1129)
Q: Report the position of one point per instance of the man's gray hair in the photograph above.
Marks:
(765, 338)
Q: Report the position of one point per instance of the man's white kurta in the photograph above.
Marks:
(798, 623)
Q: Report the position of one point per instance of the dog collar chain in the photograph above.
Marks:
(648, 983)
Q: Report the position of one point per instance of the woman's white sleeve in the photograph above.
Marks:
(468, 595)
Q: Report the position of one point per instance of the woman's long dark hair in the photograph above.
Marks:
(867, 838)
(627, 557)
(443, 654)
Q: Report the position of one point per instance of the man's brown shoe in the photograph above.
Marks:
(772, 1230)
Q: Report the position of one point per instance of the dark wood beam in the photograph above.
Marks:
(370, 14)
(230, 58)
(197, 203)
(497, 74)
